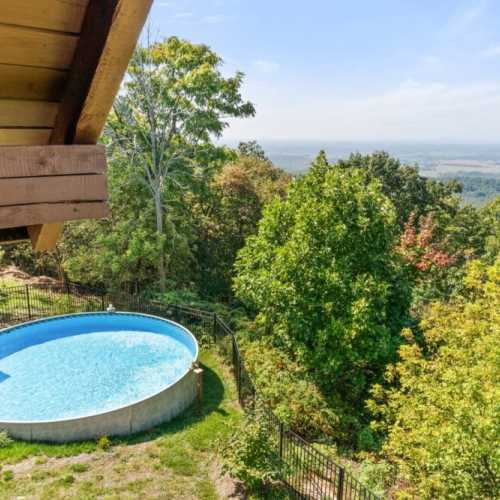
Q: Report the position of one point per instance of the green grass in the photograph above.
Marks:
(175, 460)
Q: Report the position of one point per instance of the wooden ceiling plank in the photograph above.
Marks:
(52, 189)
(56, 15)
(29, 114)
(28, 82)
(108, 37)
(24, 136)
(33, 161)
(27, 47)
(45, 213)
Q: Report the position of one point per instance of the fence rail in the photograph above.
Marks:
(306, 472)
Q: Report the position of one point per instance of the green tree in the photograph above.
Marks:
(409, 191)
(490, 218)
(324, 280)
(252, 149)
(175, 100)
(229, 213)
(442, 413)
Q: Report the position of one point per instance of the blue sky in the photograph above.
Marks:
(391, 70)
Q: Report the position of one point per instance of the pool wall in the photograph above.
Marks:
(130, 419)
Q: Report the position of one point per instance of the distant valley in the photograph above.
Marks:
(477, 167)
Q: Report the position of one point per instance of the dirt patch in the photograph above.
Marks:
(225, 485)
(106, 460)
(14, 272)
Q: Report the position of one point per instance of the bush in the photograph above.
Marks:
(248, 456)
(376, 476)
(104, 443)
(5, 439)
(288, 390)
(442, 418)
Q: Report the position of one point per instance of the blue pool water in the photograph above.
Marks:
(80, 365)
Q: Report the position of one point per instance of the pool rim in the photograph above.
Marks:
(132, 403)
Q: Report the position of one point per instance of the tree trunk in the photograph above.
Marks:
(159, 234)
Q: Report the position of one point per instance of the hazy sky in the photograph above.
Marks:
(424, 70)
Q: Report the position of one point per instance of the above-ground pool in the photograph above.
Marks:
(86, 375)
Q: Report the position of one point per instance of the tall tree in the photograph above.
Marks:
(325, 283)
(175, 100)
(229, 214)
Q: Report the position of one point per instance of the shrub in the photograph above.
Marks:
(5, 439)
(288, 389)
(377, 476)
(104, 443)
(247, 454)
(442, 417)
(8, 475)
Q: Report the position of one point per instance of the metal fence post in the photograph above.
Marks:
(238, 382)
(340, 490)
(27, 288)
(281, 440)
(214, 327)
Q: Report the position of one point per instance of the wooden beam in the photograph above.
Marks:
(21, 113)
(27, 82)
(24, 136)
(108, 38)
(56, 15)
(95, 30)
(125, 30)
(29, 47)
(33, 161)
(44, 237)
(109, 34)
(53, 188)
(17, 215)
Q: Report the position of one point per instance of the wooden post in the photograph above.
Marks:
(198, 372)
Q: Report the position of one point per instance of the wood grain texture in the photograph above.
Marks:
(126, 27)
(33, 161)
(57, 15)
(21, 191)
(93, 37)
(28, 82)
(20, 113)
(44, 213)
(24, 136)
(44, 236)
(26, 47)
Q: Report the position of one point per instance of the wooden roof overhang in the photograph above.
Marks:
(61, 65)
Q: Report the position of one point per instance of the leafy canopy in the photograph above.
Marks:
(323, 278)
(442, 413)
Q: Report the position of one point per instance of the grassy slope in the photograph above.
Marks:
(175, 460)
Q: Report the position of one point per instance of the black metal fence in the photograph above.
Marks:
(306, 472)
